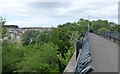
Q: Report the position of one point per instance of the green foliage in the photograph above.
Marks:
(102, 30)
(0, 31)
(67, 58)
(4, 31)
(10, 56)
(43, 37)
(83, 24)
(74, 37)
(48, 51)
(29, 37)
(96, 25)
(0, 58)
(118, 28)
(60, 37)
(31, 58)
(39, 60)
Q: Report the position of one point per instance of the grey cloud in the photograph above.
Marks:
(60, 12)
(50, 8)
(48, 5)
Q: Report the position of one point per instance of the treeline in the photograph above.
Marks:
(103, 25)
(48, 51)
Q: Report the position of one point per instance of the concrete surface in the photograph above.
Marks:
(72, 64)
(104, 54)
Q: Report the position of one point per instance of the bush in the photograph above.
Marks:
(43, 59)
(101, 30)
(10, 56)
(29, 37)
(42, 38)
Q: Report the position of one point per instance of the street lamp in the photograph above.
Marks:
(88, 24)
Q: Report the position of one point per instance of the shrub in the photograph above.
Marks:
(101, 30)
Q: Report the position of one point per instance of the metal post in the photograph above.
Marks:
(88, 24)
(114, 36)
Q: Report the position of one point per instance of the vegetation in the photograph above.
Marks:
(29, 37)
(13, 26)
(99, 24)
(48, 51)
(102, 30)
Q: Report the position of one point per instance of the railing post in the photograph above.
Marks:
(111, 35)
(114, 36)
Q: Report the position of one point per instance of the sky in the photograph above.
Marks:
(48, 13)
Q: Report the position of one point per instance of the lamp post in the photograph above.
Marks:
(88, 28)
(88, 23)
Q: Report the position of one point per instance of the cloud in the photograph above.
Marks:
(48, 5)
(53, 12)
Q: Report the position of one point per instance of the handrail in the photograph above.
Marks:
(83, 63)
(111, 35)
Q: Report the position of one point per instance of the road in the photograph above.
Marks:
(104, 54)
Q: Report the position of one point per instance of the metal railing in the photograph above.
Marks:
(83, 63)
(111, 35)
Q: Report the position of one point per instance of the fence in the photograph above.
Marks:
(83, 63)
(111, 35)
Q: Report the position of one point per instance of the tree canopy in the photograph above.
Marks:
(48, 51)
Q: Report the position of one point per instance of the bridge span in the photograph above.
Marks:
(104, 54)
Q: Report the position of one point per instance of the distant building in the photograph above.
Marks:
(36, 28)
(11, 28)
(16, 33)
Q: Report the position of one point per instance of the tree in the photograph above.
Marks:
(61, 37)
(29, 37)
(0, 31)
(43, 59)
(101, 30)
(43, 37)
(10, 56)
(3, 29)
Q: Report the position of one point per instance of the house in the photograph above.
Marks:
(16, 33)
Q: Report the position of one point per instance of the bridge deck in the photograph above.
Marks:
(104, 54)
